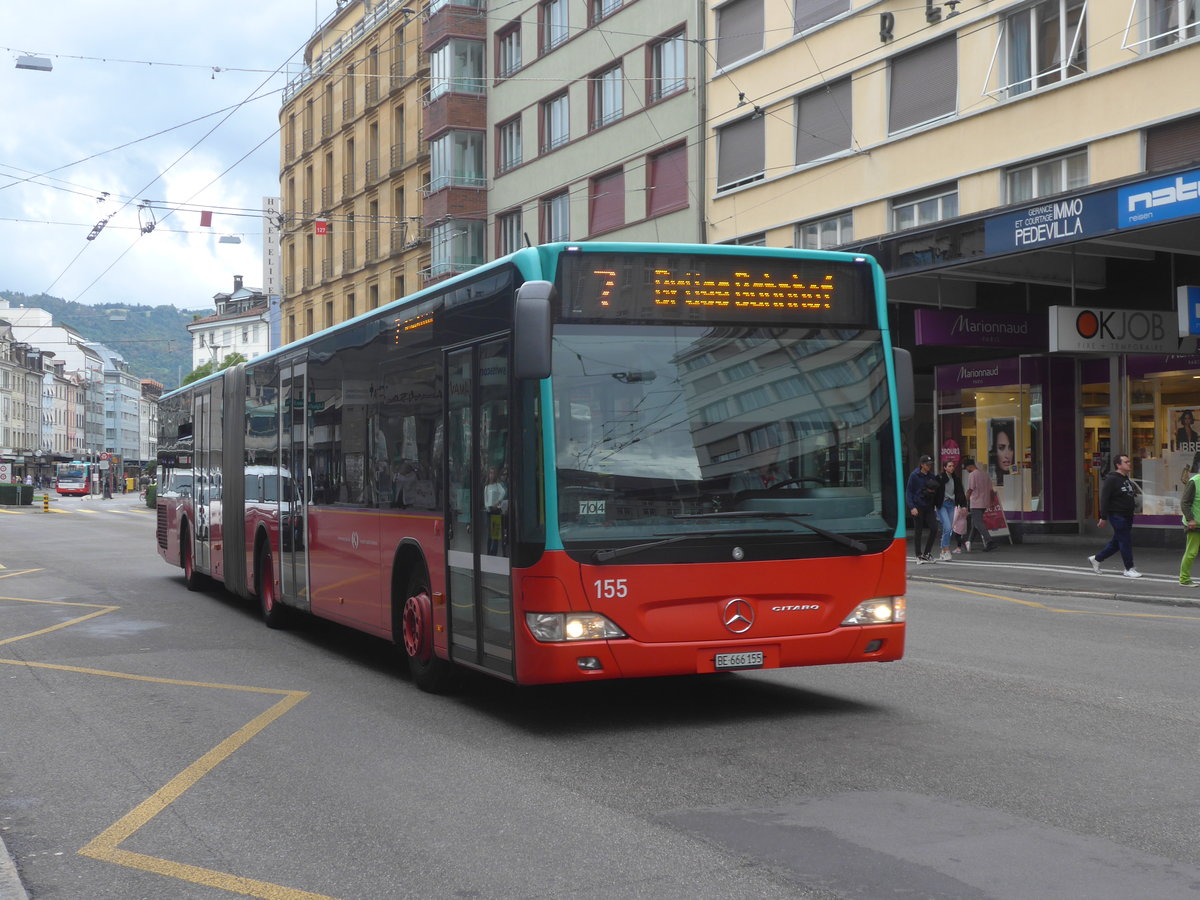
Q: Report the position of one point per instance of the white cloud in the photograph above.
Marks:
(101, 95)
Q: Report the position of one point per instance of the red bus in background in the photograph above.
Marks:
(579, 461)
(72, 479)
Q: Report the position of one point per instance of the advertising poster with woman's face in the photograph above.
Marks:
(1002, 452)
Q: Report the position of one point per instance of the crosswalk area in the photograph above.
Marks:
(73, 510)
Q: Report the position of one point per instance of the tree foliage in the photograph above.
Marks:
(153, 340)
(206, 369)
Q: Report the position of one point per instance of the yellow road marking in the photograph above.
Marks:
(106, 846)
(12, 512)
(14, 574)
(1033, 604)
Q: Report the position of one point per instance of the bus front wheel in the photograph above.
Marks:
(429, 672)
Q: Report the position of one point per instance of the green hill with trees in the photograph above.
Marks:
(153, 339)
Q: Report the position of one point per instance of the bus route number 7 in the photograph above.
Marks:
(611, 588)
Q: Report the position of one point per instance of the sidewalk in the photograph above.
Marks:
(1059, 565)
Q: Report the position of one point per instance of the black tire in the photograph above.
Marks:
(274, 614)
(191, 578)
(414, 627)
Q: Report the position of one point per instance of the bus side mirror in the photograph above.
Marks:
(906, 402)
(531, 330)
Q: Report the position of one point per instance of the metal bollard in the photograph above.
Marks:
(45, 502)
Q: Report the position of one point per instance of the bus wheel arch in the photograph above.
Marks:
(412, 622)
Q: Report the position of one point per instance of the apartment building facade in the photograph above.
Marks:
(1036, 232)
(352, 165)
(594, 118)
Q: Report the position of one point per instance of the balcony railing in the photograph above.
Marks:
(326, 197)
(396, 157)
(327, 269)
(347, 185)
(372, 251)
(306, 278)
(326, 125)
(348, 259)
(372, 171)
(347, 109)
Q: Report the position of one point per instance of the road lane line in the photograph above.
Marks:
(1078, 612)
(106, 846)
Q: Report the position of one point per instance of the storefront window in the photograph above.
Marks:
(1000, 426)
(1164, 418)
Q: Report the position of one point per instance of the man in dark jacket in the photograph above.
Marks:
(1117, 496)
(920, 493)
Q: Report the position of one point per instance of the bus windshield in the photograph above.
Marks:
(662, 430)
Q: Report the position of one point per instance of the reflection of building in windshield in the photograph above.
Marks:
(800, 410)
(654, 423)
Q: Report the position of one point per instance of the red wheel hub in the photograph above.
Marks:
(417, 627)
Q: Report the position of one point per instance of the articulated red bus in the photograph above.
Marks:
(579, 461)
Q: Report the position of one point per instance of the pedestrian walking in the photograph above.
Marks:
(922, 491)
(1117, 497)
(951, 497)
(1191, 513)
(979, 495)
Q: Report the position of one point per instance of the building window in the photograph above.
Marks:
(456, 66)
(602, 9)
(455, 246)
(456, 159)
(741, 153)
(811, 13)
(555, 122)
(1047, 177)
(823, 122)
(924, 85)
(825, 234)
(739, 31)
(554, 24)
(668, 67)
(924, 207)
(556, 218)
(667, 187)
(1034, 40)
(606, 202)
(509, 232)
(1173, 144)
(607, 99)
(508, 51)
(1154, 24)
(508, 145)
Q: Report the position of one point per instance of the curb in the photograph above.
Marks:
(10, 884)
(1160, 600)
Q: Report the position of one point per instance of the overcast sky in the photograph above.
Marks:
(127, 111)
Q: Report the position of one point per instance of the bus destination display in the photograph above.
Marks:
(654, 287)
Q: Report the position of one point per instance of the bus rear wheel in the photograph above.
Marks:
(429, 672)
(274, 613)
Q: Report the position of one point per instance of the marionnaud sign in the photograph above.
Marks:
(1081, 329)
(1067, 219)
(971, 328)
(1159, 200)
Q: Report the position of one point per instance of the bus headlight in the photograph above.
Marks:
(878, 611)
(557, 627)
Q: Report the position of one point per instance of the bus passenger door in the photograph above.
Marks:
(477, 516)
(201, 512)
(292, 488)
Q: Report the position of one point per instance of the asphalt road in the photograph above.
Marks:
(156, 743)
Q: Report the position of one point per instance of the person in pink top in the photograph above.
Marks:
(979, 495)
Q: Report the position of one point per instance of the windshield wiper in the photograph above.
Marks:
(856, 545)
(604, 555)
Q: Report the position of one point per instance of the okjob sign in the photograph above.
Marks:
(1080, 329)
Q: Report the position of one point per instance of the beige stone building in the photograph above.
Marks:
(353, 163)
(1027, 173)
